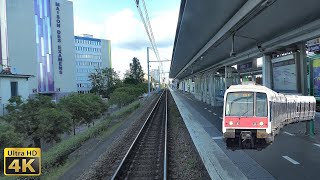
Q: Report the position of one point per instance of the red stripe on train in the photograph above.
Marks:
(245, 122)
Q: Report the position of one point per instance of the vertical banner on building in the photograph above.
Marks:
(3, 33)
(316, 77)
(0, 46)
(58, 24)
(44, 50)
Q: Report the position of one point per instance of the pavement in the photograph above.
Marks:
(293, 155)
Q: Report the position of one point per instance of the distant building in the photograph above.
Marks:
(91, 53)
(37, 39)
(154, 73)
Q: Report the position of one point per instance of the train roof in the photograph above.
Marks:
(250, 87)
(270, 93)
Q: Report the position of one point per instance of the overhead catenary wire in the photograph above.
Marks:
(147, 26)
(150, 29)
(152, 36)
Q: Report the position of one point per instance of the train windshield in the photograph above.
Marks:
(242, 104)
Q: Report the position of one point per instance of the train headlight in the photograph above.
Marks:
(230, 123)
(261, 123)
(254, 123)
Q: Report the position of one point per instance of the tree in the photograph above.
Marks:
(127, 94)
(76, 107)
(39, 119)
(53, 123)
(8, 137)
(84, 108)
(15, 103)
(135, 75)
(104, 81)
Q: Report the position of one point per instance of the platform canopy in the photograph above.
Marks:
(206, 28)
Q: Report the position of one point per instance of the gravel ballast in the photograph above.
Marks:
(184, 160)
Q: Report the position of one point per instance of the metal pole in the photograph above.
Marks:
(148, 71)
(159, 78)
(311, 125)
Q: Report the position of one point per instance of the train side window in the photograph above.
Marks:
(261, 105)
(309, 107)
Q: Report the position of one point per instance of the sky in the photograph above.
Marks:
(120, 22)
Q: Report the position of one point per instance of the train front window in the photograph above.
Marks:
(261, 105)
(239, 104)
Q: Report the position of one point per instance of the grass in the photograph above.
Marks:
(174, 114)
(114, 127)
(60, 170)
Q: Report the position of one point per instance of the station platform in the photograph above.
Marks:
(292, 156)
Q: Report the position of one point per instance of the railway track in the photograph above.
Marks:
(147, 155)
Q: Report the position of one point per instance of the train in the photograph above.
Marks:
(254, 114)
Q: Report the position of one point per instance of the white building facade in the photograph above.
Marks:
(91, 53)
(37, 39)
(12, 85)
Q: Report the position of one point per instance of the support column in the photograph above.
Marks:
(206, 89)
(196, 82)
(302, 81)
(214, 84)
(302, 66)
(202, 88)
(266, 71)
(211, 88)
(190, 85)
(228, 77)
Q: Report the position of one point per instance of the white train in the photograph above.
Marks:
(254, 114)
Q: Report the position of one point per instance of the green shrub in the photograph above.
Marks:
(127, 94)
(8, 138)
(61, 151)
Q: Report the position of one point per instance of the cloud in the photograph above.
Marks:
(84, 27)
(129, 38)
(124, 56)
(127, 31)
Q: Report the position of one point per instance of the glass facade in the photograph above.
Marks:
(88, 58)
(44, 49)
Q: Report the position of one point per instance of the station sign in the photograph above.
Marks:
(284, 74)
(313, 45)
(241, 67)
(245, 67)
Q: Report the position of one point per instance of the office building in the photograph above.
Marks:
(91, 53)
(37, 39)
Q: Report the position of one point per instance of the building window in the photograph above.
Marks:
(14, 89)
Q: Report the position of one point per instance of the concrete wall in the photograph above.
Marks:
(106, 53)
(67, 80)
(22, 39)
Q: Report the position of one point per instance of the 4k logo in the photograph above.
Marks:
(22, 161)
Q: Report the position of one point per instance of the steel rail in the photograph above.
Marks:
(165, 140)
(136, 138)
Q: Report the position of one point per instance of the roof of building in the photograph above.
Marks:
(15, 75)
